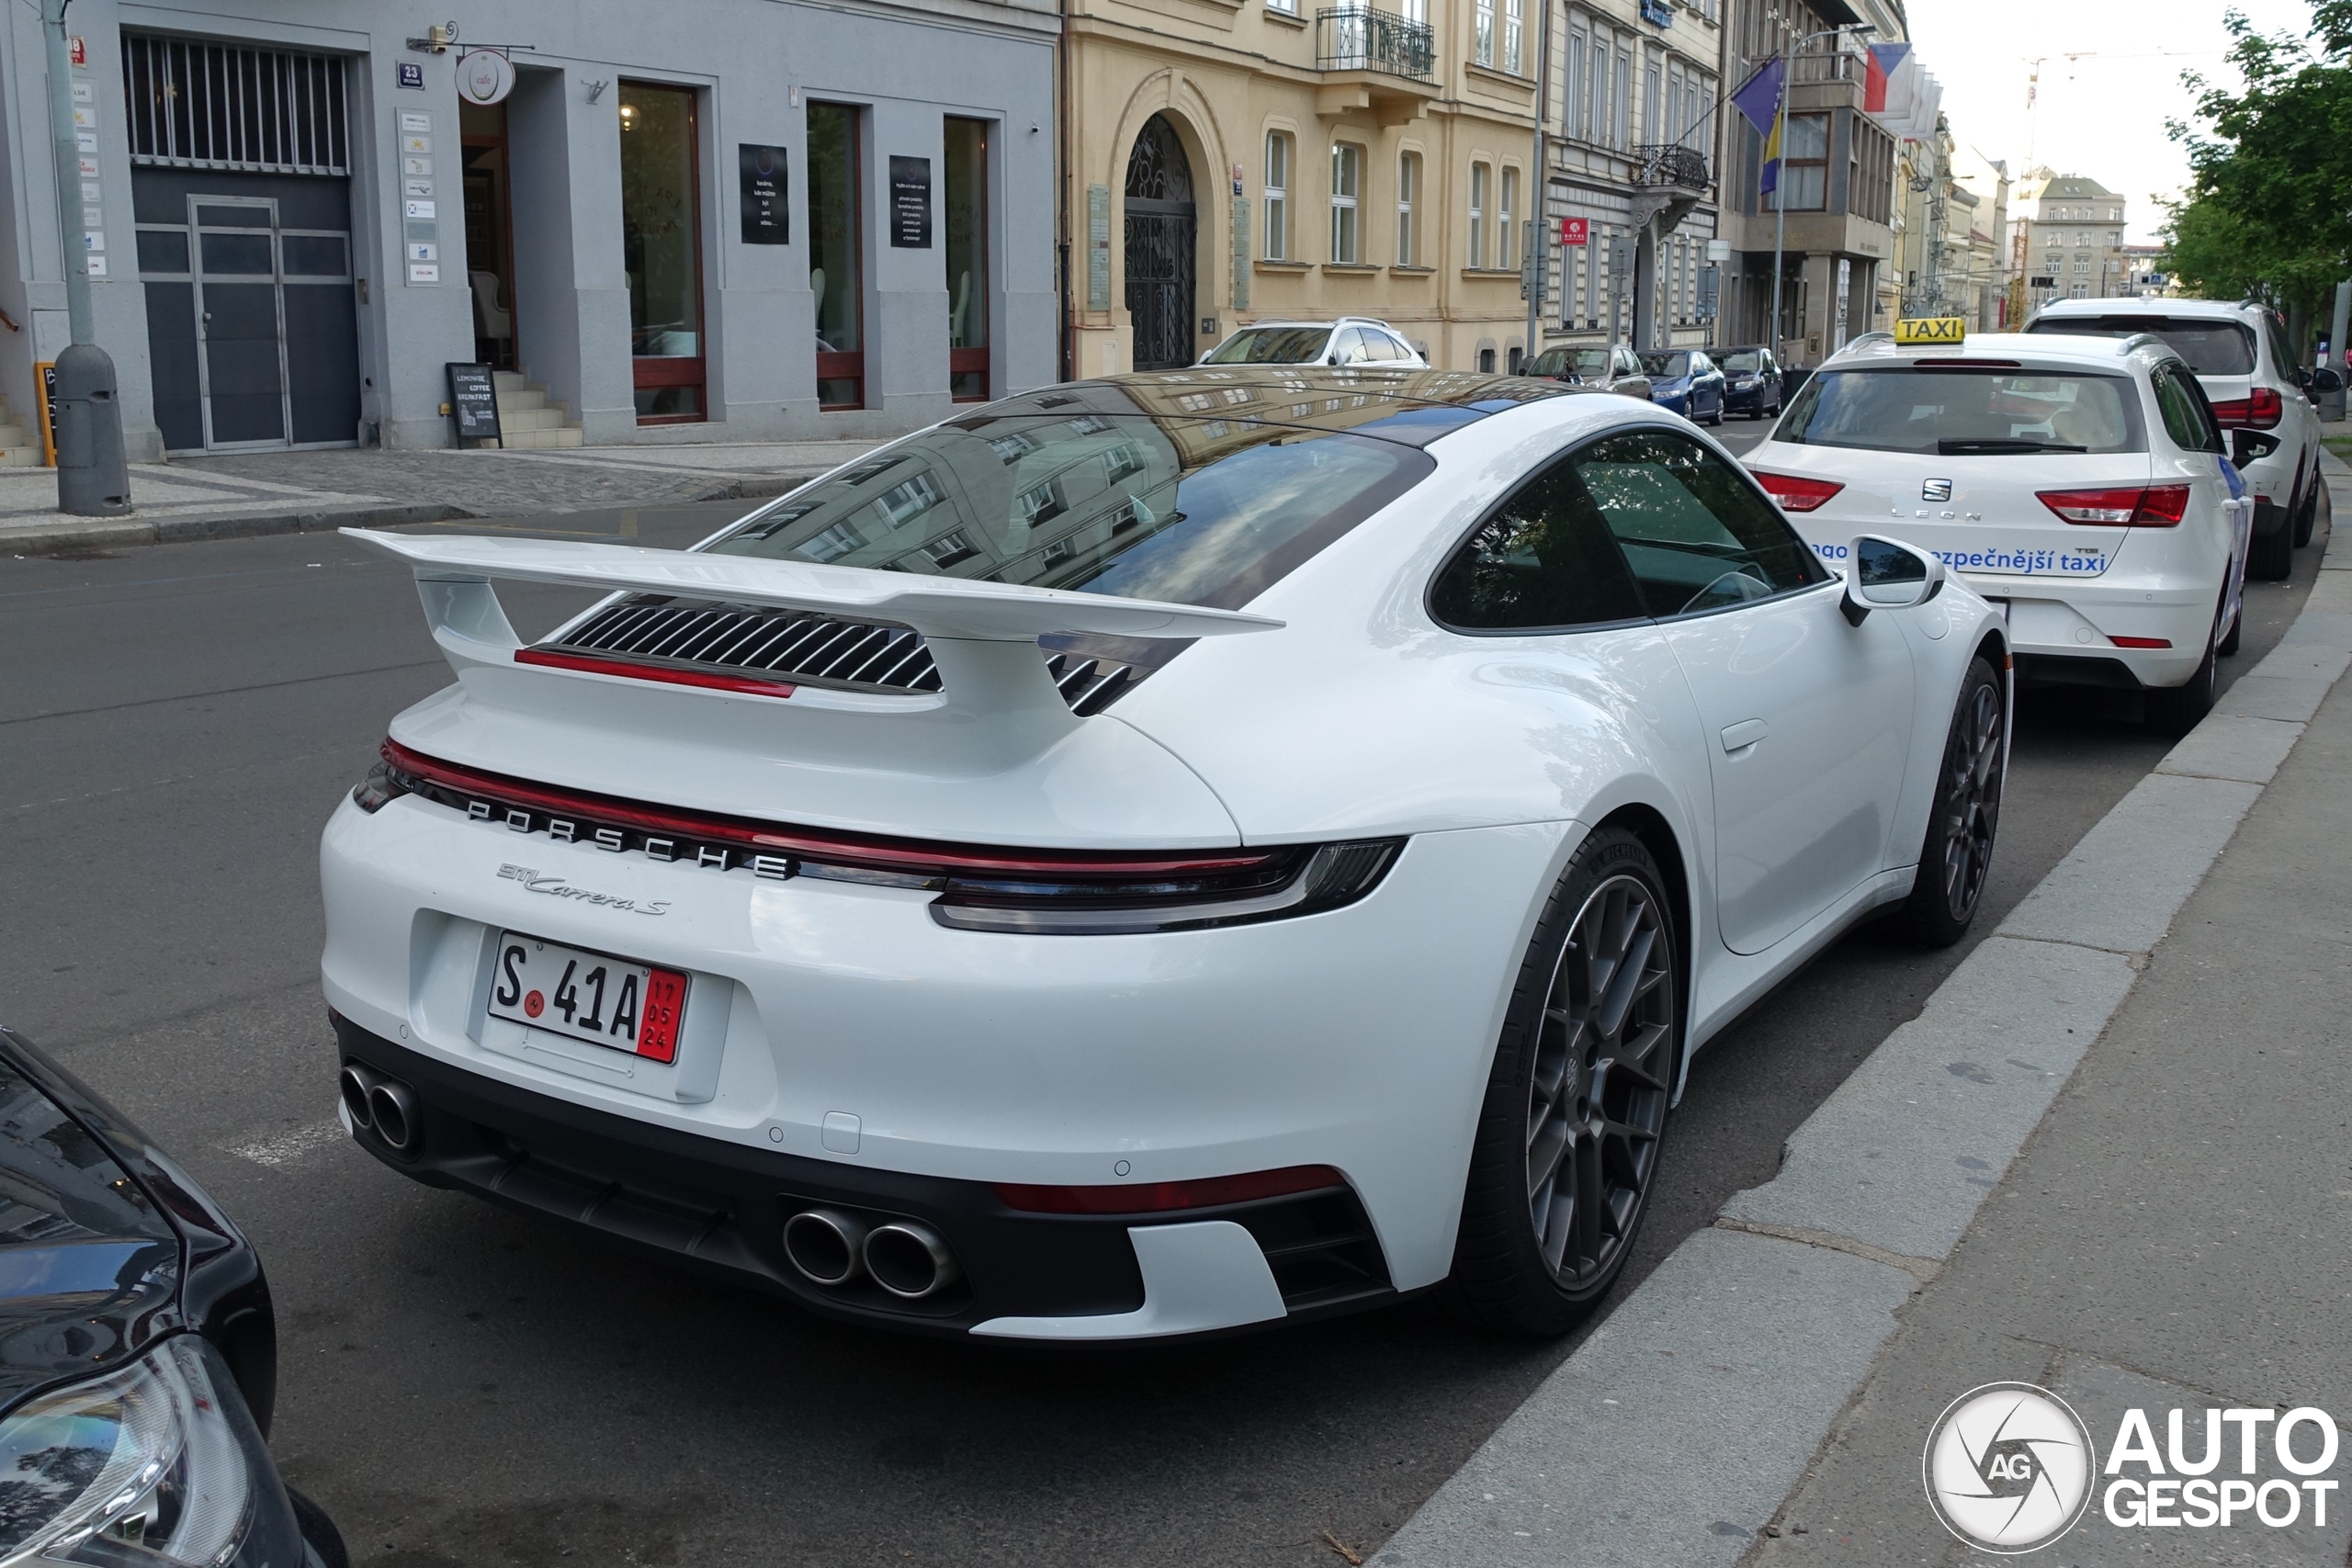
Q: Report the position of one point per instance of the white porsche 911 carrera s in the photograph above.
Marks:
(1151, 856)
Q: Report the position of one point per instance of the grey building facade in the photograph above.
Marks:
(741, 219)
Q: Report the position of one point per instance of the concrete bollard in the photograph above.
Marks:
(93, 480)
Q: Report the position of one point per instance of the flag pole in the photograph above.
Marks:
(1780, 197)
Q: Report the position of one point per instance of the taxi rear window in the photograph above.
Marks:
(1966, 412)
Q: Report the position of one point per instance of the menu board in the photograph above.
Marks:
(767, 217)
(911, 203)
(473, 402)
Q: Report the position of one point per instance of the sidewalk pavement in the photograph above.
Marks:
(274, 493)
(2109, 1158)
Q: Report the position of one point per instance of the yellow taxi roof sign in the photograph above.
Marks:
(1932, 329)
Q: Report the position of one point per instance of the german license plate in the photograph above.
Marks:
(614, 1003)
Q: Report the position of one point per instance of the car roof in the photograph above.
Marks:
(1391, 402)
(1333, 323)
(2211, 310)
(2033, 350)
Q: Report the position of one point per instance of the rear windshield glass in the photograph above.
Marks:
(1666, 364)
(1571, 362)
(1190, 510)
(1745, 361)
(1957, 413)
(2211, 348)
(1271, 345)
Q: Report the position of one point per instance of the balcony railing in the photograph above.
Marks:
(1828, 66)
(1681, 167)
(1357, 38)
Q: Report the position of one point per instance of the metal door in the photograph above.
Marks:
(1160, 248)
(275, 350)
(240, 332)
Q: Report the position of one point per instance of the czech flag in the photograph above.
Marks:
(1885, 60)
(1758, 99)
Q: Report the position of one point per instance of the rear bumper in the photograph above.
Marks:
(2062, 633)
(720, 1208)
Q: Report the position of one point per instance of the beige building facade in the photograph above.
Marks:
(1228, 162)
(2069, 229)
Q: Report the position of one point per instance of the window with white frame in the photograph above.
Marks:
(1572, 84)
(1507, 221)
(1515, 32)
(1653, 103)
(1479, 174)
(1482, 33)
(1347, 189)
(1287, 8)
(1409, 189)
(1277, 196)
(1621, 100)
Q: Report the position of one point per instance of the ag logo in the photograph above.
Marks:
(2008, 1468)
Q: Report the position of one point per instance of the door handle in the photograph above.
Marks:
(1746, 733)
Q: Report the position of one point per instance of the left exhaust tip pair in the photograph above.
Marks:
(384, 1106)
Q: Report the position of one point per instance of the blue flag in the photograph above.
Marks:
(1758, 99)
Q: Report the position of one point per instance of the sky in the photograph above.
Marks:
(2102, 115)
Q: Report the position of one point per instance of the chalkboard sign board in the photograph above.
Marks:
(473, 400)
(911, 203)
(766, 219)
(47, 371)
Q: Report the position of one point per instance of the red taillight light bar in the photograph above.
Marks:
(2259, 410)
(1159, 1197)
(1796, 494)
(631, 670)
(2125, 506)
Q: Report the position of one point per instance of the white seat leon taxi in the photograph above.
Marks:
(2079, 482)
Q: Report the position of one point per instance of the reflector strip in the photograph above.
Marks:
(1160, 1197)
(2140, 641)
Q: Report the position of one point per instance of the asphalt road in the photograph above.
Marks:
(464, 1386)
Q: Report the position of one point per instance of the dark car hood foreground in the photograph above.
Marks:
(105, 1245)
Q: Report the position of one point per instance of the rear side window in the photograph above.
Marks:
(1695, 532)
(2185, 416)
(1271, 345)
(1543, 562)
(1965, 413)
(2211, 348)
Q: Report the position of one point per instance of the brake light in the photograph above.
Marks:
(1158, 1197)
(2128, 506)
(2259, 410)
(1796, 494)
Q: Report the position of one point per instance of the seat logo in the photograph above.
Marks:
(1935, 489)
(2008, 1468)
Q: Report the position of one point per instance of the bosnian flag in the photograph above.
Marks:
(1758, 99)
(1885, 60)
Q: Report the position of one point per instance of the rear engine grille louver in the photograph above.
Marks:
(817, 650)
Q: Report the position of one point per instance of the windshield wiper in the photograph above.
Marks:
(1967, 446)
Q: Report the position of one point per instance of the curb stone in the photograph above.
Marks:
(1627, 1453)
(103, 533)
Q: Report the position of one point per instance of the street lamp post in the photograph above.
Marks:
(93, 480)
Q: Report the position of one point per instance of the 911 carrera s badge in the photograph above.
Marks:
(556, 887)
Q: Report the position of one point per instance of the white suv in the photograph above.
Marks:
(1351, 340)
(2078, 482)
(2251, 374)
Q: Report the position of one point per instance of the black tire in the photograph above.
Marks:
(1956, 854)
(2174, 710)
(2273, 558)
(319, 1534)
(1574, 1121)
(2307, 521)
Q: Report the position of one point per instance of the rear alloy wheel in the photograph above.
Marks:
(1575, 1112)
(1957, 855)
(2307, 521)
(2176, 710)
(2273, 558)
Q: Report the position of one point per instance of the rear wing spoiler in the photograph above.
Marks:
(983, 635)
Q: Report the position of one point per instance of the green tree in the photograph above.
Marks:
(2268, 211)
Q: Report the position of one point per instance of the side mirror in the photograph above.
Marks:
(2324, 381)
(1886, 574)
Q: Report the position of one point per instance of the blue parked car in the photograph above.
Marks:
(1687, 381)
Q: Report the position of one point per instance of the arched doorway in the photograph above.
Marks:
(1160, 229)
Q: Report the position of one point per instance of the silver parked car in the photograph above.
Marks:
(1350, 340)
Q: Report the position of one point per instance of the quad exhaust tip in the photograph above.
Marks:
(825, 1245)
(833, 1247)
